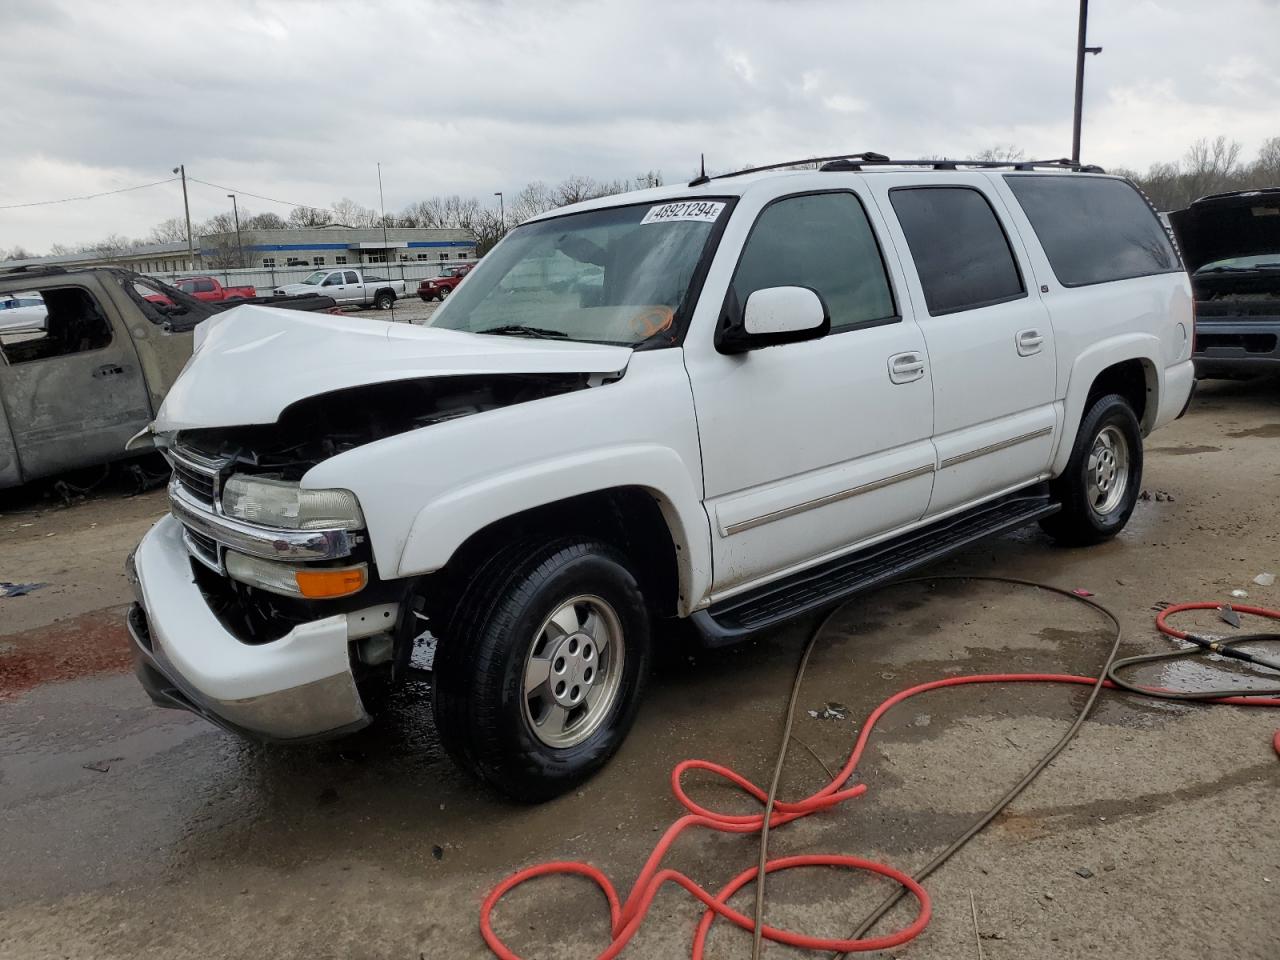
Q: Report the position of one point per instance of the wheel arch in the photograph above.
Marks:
(637, 520)
(1126, 367)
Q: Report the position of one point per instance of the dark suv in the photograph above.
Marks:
(1231, 246)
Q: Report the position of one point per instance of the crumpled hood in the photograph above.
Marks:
(1241, 224)
(252, 362)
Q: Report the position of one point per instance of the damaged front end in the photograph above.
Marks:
(261, 583)
(1231, 245)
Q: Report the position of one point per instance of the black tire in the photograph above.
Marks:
(444, 292)
(479, 700)
(384, 300)
(1083, 520)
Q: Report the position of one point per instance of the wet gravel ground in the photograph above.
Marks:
(128, 831)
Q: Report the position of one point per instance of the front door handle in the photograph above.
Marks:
(108, 370)
(1029, 342)
(906, 367)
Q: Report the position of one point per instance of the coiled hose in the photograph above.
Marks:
(626, 916)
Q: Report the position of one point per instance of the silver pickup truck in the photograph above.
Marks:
(348, 287)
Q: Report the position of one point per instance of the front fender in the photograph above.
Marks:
(448, 520)
(1143, 347)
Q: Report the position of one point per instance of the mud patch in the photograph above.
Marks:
(1185, 451)
(1268, 430)
(83, 646)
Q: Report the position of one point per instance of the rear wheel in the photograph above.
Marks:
(384, 300)
(539, 674)
(1100, 486)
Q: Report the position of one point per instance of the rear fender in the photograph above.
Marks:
(1133, 346)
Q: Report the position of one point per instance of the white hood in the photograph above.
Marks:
(252, 362)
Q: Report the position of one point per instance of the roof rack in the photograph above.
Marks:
(32, 270)
(857, 161)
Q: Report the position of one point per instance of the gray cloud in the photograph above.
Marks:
(299, 100)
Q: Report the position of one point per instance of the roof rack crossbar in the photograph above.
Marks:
(857, 161)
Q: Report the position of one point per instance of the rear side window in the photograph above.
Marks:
(1094, 229)
(822, 241)
(960, 250)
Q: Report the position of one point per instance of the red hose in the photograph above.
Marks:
(625, 918)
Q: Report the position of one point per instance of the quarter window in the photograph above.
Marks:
(961, 252)
(1094, 229)
(822, 241)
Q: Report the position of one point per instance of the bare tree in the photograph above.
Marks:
(265, 221)
(1001, 152)
(301, 218)
(172, 230)
(17, 253)
(351, 214)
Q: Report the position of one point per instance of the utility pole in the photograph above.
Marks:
(502, 210)
(1081, 50)
(235, 210)
(186, 208)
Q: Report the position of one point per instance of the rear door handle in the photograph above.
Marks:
(108, 370)
(1029, 342)
(906, 367)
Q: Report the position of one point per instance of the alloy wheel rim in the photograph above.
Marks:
(1107, 471)
(573, 672)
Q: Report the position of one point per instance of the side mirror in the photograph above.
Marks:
(771, 317)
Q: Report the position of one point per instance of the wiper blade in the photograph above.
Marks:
(520, 330)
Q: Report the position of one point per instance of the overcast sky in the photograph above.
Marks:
(299, 100)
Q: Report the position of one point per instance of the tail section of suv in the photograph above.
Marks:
(732, 402)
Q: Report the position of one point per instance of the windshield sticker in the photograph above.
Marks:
(704, 210)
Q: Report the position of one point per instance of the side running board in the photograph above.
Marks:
(738, 617)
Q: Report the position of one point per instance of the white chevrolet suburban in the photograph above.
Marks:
(733, 402)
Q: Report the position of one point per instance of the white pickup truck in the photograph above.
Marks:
(733, 402)
(347, 286)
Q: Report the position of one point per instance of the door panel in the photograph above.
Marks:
(811, 447)
(75, 396)
(990, 340)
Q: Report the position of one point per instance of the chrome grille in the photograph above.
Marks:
(204, 549)
(199, 476)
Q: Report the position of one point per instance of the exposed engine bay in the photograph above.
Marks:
(326, 425)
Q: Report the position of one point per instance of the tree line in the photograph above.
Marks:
(1210, 165)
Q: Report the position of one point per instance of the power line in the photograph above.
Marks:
(256, 196)
(87, 196)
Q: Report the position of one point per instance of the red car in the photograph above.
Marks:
(210, 289)
(437, 288)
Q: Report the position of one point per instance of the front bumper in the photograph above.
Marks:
(296, 688)
(1237, 347)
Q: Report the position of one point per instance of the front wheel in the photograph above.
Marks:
(1100, 486)
(443, 294)
(539, 674)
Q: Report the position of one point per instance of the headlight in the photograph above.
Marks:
(313, 583)
(285, 505)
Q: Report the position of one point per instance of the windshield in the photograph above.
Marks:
(315, 278)
(1243, 263)
(618, 275)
